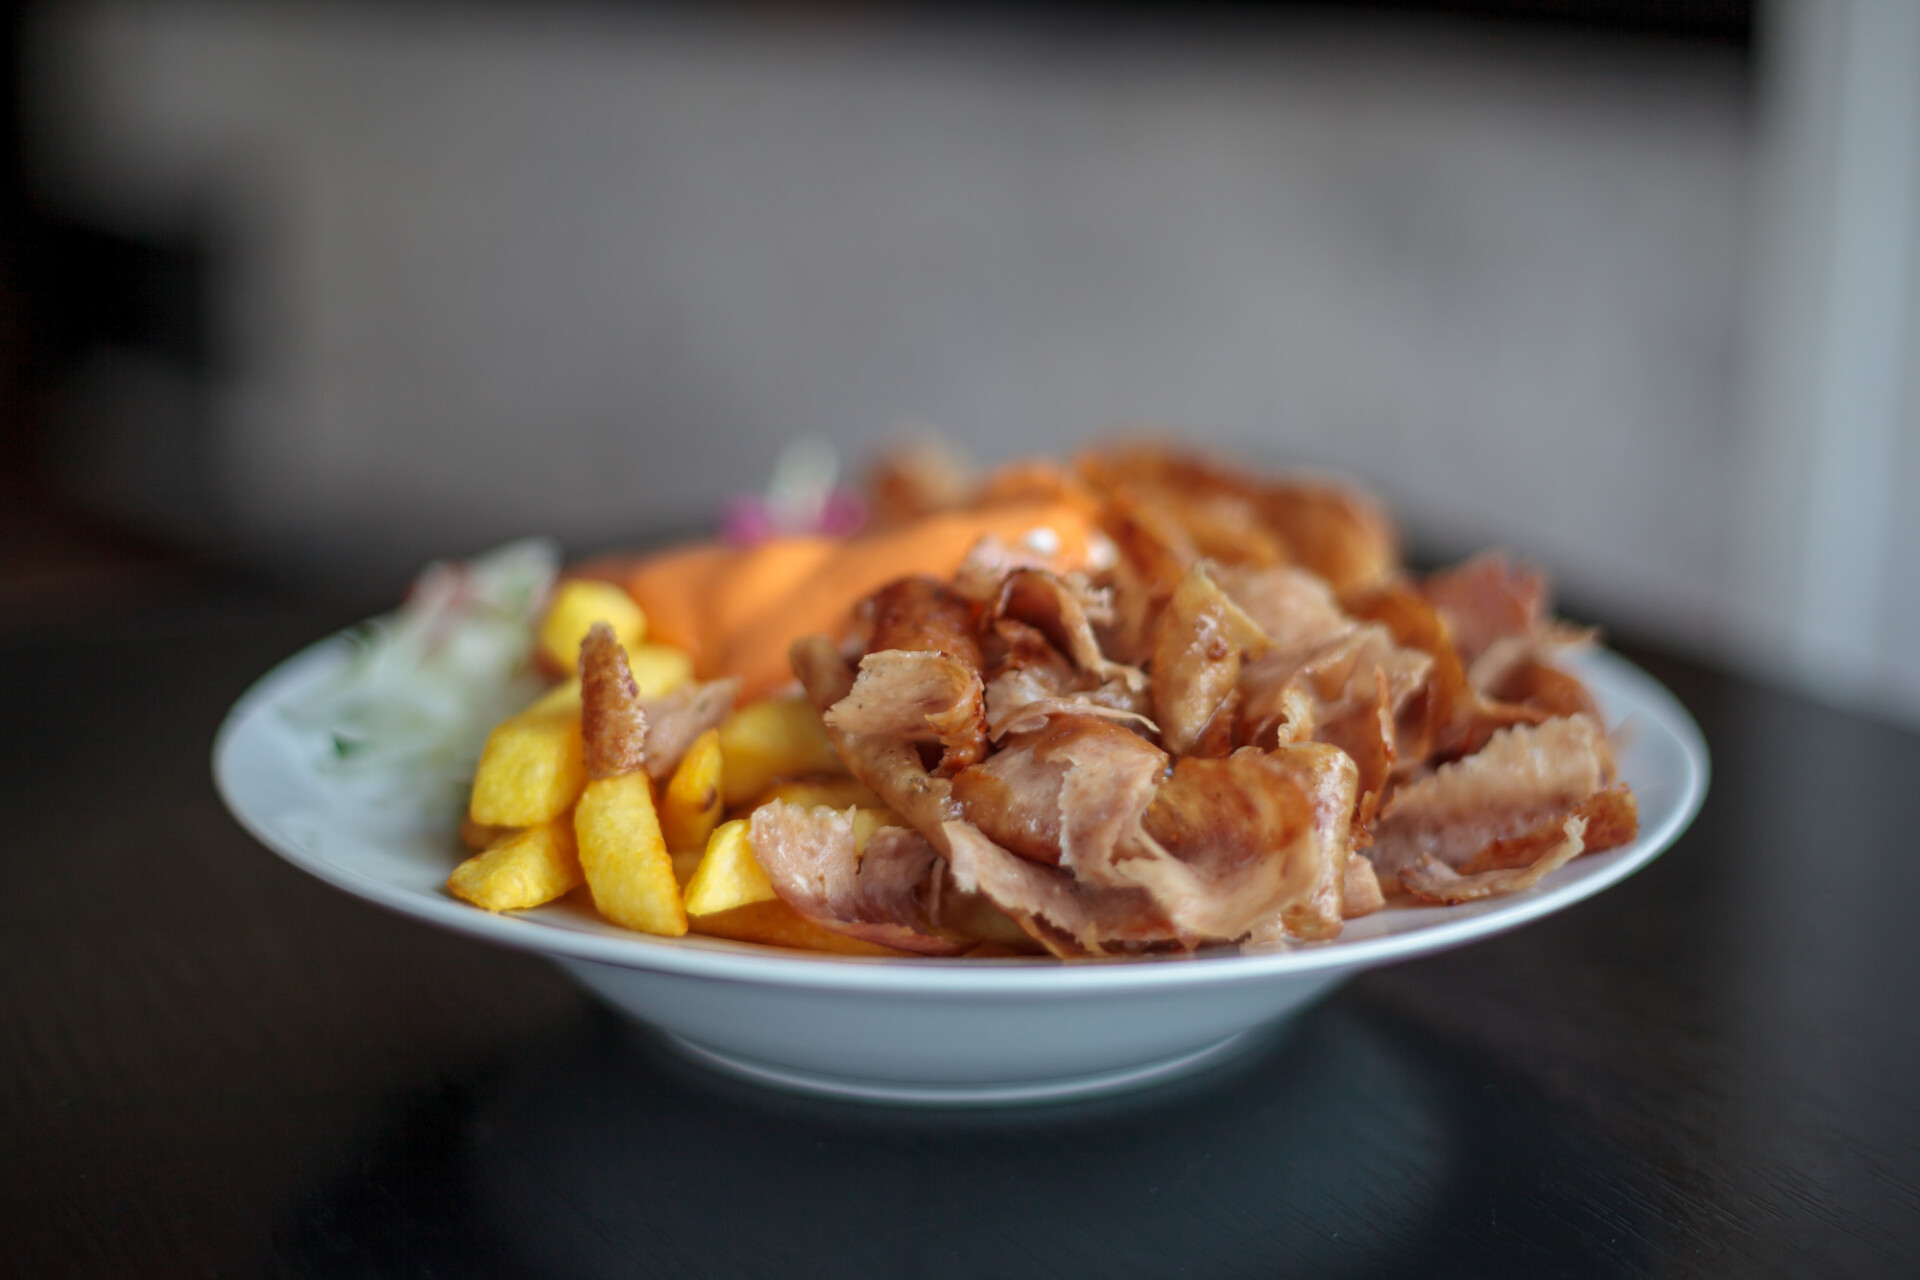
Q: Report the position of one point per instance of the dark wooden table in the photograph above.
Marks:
(213, 1065)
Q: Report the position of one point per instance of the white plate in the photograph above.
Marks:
(910, 1030)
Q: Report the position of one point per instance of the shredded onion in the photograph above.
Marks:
(426, 683)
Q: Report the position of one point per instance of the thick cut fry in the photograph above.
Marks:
(524, 870)
(625, 858)
(775, 924)
(691, 808)
(765, 741)
(531, 769)
(729, 875)
(658, 669)
(834, 793)
(576, 606)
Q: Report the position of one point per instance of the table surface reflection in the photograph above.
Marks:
(211, 1064)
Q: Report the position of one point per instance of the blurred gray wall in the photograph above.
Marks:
(493, 271)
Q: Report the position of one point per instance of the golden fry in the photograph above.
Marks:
(658, 669)
(834, 793)
(625, 858)
(524, 870)
(691, 808)
(776, 924)
(531, 770)
(576, 606)
(778, 738)
(729, 875)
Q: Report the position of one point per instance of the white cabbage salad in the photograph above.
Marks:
(413, 705)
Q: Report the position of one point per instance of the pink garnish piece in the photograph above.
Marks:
(842, 513)
(746, 521)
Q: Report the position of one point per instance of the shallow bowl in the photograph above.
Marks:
(916, 1031)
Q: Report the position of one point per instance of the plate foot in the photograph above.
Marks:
(995, 1093)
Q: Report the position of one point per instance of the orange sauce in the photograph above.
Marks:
(738, 610)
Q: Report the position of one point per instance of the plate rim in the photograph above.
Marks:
(1014, 977)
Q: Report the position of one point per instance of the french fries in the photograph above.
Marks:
(544, 828)
(659, 862)
(576, 606)
(521, 870)
(532, 768)
(622, 851)
(691, 808)
(775, 924)
(834, 793)
(625, 858)
(562, 699)
(729, 875)
(765, 741)
(658, 669)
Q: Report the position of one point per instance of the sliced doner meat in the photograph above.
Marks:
(920, 677)
(1612, 818)
(624, 733)
(1297, 610)
(1485, 600)
(917, 697)
(1289, 697)
(889, 765)
(1223, 512)
(1065, 793)
(1228, 844)
(1057, 610)
(1044, 660)
(1524, 776)
(1067, 917)
(923, 615)
(1199, 646)
(885, 893)
(675, 719)
(1431, 880)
